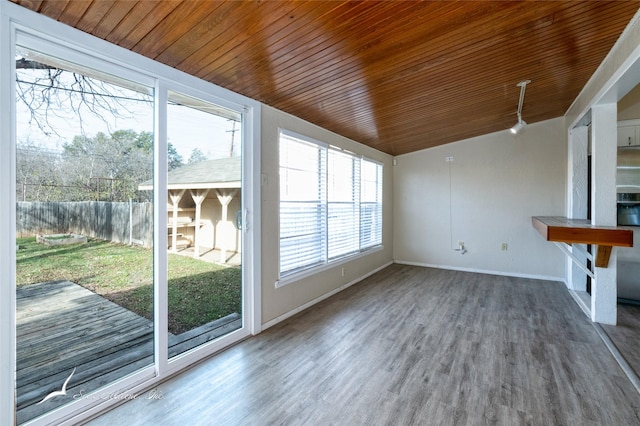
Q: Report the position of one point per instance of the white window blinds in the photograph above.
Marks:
(343, 194)
(330, 204)
(370, 204)
(302, 204)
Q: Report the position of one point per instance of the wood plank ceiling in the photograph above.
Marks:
(399, 76)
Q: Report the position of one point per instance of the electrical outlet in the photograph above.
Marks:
(505, 246)
(448, 159)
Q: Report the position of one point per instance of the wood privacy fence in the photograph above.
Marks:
(127, 223)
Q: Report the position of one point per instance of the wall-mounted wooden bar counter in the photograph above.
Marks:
(581, 231)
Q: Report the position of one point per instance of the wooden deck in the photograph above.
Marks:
(62, 326)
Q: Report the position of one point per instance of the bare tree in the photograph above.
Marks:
(110, 167)
(49, 91)
(38, 173)
(54, 93)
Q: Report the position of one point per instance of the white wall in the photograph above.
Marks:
(629, 105)
(278, 303)
(615, 80)
(497, 183)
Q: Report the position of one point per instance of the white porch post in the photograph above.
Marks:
(175, 200)
(198, 198)
(603, 206)
(224, 199)
(577, 199)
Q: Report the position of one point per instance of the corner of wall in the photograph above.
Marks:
(484, 197)
(279, 303)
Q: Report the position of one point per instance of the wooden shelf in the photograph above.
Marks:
(184, 224)
(581, 231)
(180, 209)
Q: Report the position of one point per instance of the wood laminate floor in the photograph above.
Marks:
(626, 334)
(409, 345)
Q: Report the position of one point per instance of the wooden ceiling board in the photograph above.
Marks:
(459, 91)
(332, 66)
(333, 58)
(335, 38)
(388, 84)
(476, 89)
(389, 56)
(232, 56)
(208, 31)
(386, 78)
(398, 76)
(261, 69)
(267, 46)
(96, 12)
(307, 46)
(52, 9)
(33, 4)
(175, 25)
(254, 24)
(118, 11)
(73, 12)
(139, 22)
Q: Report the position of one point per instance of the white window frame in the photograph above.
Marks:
(331, 262)
(379, 202)
(340, 222)
(78, 46)
(319, 256)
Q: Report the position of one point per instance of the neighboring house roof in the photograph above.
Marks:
(219, 173)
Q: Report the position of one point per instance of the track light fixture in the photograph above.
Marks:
(521, 124)
(517, 128)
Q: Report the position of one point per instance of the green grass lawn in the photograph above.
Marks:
(199, 292)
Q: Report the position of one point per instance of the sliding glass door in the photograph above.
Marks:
(131, 228)
(84, 247)
(204, 185)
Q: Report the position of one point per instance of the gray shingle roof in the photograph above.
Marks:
(203, 172)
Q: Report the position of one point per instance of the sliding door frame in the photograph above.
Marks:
(77, 44)
(7, 222)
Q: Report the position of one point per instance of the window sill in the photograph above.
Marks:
(288, 279)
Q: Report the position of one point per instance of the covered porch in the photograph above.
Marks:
(205, 210)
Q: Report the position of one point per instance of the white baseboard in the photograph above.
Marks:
(579, 297)
(301, 308)
(482, 271)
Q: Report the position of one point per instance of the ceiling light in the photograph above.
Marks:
(521, 124)
(517, 128)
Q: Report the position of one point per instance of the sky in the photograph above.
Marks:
(187, 128)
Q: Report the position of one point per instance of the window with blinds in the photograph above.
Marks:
(330, 204)
(303, 204)
(370, 204)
